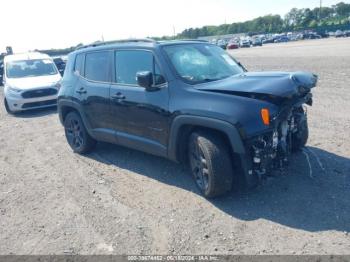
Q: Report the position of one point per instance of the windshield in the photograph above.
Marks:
(30, 68)
(199, 63)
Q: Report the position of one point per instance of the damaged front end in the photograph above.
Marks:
(287, 129)
(287, 132)
(280, 97)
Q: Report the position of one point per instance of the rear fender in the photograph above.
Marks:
(74, 105)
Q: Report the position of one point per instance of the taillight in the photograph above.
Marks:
(265, 116)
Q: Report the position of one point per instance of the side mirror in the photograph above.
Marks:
(145, 79)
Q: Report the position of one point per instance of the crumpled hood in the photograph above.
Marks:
(27, 83)
(277, 84)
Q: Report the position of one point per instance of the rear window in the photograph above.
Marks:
(30, 68)
(97, 66)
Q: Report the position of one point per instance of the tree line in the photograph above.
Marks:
(319, 19)
(336, 16)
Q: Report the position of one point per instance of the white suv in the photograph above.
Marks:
(31, 80)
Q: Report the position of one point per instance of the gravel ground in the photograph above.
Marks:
(120, 201)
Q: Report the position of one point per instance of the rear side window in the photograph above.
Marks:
(97, 66)
(129, 62)
(79, 62)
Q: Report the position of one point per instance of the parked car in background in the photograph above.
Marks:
(245, 42)
(281, 39)
(257, 41)
(60, 64)
(268, 40)
(31, 80)
(311, 36)
(233, 44)
(222, 43)
(323, 34)
(1, 72)
(339, 33)
(293, 37)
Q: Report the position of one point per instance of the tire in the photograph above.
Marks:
(77, 136)
(210, 163)
(299, 139)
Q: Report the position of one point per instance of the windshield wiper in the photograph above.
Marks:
(210, 79)
(214, 79)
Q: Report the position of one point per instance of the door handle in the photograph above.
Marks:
(118, 96)
(82, 90)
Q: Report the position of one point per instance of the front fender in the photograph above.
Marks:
(230, 130)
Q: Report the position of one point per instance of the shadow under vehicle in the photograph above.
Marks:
(314, 202)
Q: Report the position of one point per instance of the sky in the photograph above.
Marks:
(44, 24)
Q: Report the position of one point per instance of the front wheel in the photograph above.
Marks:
(210, 163)
(77, 136)
(299, 139)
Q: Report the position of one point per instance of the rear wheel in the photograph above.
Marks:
(77, 136)
(210, 163)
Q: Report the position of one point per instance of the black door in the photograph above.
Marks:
(140, 117)
(93, 89)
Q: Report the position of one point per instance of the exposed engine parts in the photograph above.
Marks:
(271, 150)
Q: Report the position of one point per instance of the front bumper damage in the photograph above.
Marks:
(270, 150)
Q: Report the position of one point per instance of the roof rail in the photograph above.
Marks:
(194, 40)
(131, 40)
(184, 40)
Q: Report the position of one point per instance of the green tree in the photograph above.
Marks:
(342, 9)
(295, 19)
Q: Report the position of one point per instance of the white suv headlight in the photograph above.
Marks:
(58, 85)
(14, 90)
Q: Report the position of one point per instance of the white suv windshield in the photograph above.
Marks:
(199, 63)
(30, 68)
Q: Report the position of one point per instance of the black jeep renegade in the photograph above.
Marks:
(188, 101)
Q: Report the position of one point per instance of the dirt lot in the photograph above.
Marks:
(121, 201)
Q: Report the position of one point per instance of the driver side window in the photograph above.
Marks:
(158, 77)
(129, 62)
